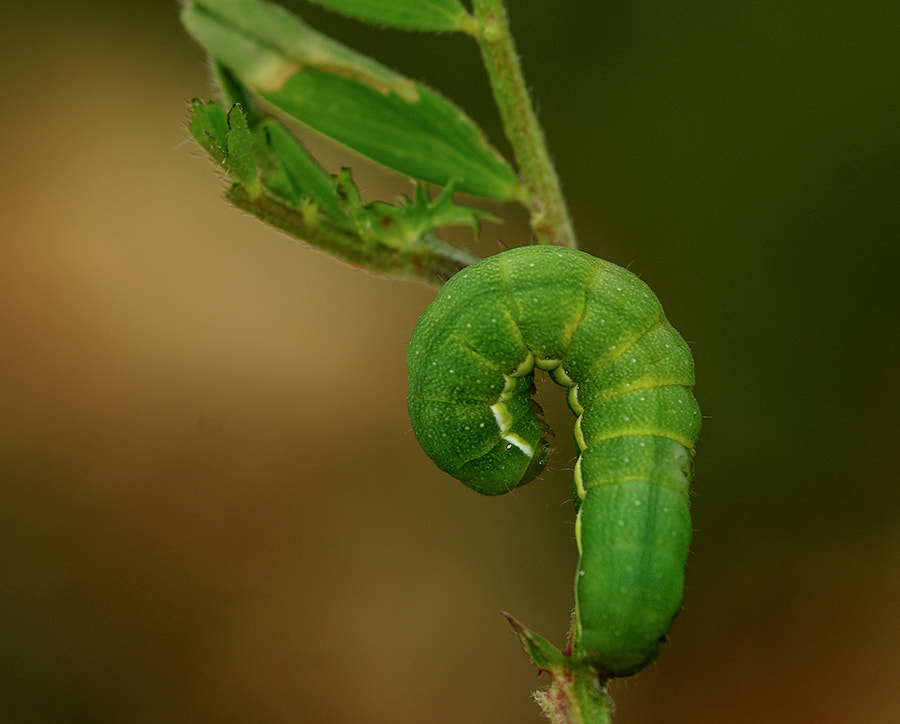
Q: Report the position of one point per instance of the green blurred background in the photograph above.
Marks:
(212, 508)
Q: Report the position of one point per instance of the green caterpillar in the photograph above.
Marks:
(601, 332)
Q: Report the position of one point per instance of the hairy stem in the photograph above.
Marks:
(577, 693)
(432, 260)
(549, 215)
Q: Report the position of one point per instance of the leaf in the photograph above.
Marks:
(429, 139)
(349, 97)
(264, 44)
(226, 137)
(435, 15)
(542, 653)
(208, 126)
(239, 152)
(409, 222)
(275, 178)
(305, 180)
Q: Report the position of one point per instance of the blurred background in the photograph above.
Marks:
(212, 507)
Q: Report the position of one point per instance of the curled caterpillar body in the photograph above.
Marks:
(601, 332)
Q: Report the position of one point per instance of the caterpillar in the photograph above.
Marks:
(600, 332)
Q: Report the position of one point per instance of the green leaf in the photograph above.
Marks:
(577, 694)
(263, 44)
(226, 137)
(302, 179)
(542, 653)
(429, 139)
(209, 127)
(409, 222)
(349, 97)
(239, 152)
(435, 15)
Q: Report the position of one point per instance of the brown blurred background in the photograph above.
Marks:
(212, 508)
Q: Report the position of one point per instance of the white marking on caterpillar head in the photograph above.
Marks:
(514, 439)
(504, 422)
(509, 388)
(502, 416)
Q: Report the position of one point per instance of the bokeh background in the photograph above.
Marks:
(212, 508)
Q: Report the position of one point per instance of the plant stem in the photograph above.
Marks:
(577, 693)
(549, 215)
(432, 260)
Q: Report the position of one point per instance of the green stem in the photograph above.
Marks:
(432, 260)
(549, 216)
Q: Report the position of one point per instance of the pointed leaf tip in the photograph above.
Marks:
(542, 653)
